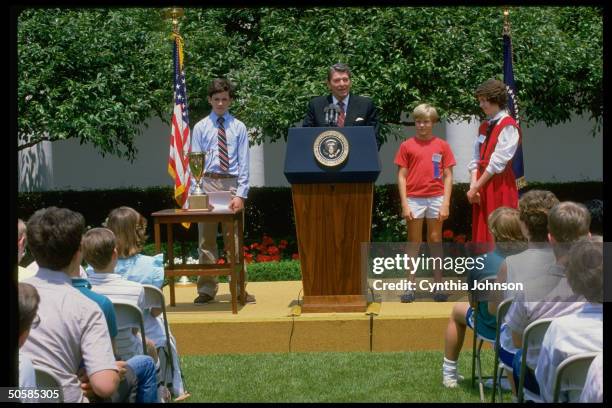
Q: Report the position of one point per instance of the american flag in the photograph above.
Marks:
(180, 137)
(517, 160)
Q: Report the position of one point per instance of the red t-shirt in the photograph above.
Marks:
(425, 161)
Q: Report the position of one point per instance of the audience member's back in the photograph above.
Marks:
(72, 327)
(578, 332)
(530, 265)
(567, 222)
(99, 251)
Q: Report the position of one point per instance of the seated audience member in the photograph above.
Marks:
(593, 386)
(504, 225)
(28, 318)
(23, 273)
(100, 252)
(579, 332)
(72, 328)
(567, 222)
(142, 366)
(535, 260)
(130, 229)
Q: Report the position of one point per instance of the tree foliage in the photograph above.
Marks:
(95, 75)
(98, 74)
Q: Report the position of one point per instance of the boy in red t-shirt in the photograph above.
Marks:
(425, 179)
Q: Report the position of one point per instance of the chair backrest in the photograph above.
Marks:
(533, 334)
(46, 379)
(129, 316)
(502, 309)
(571, 373)
(155, 298)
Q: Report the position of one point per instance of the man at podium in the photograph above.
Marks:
(342, 108)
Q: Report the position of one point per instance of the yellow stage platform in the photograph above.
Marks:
(268, 326)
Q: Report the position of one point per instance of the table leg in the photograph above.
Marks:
(170, 251)
(234, 276)
(157, 237)
(241, 280)
(172, 302)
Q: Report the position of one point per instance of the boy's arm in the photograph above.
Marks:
(402, 172)
(448, 188)
(242, 191)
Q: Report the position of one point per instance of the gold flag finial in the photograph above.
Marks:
(506, 22)
(174, 14)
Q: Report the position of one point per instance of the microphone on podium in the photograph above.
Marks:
(331, 114)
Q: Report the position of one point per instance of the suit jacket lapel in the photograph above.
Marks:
(349, 119)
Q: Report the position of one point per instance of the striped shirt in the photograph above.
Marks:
(118, 289)
(560, 301)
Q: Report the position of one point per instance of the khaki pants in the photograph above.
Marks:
(207, 234)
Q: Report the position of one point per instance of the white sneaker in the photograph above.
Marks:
(450, 382)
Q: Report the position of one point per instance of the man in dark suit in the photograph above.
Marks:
(354, 110)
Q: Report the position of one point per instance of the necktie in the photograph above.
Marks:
(341, 115)
(222, 141)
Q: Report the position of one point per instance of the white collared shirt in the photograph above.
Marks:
(566, 336)
(345, 101)
(507, 143)
(116, 288)
(72, 330)
(593, 386)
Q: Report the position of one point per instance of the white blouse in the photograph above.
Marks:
(507, 142)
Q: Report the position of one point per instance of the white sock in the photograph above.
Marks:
(449, 369)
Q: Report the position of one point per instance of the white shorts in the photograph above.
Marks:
(425, 207)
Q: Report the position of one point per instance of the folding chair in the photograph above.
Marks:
(154, 298)
(571, 373)
(130, 316)
(533, 333)
(46, 379)
(478, 297)
(498, 367)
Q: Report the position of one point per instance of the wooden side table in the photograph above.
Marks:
(235, 266)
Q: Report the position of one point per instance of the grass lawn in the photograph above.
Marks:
(329, 377)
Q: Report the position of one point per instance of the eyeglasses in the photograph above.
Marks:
(35, 322)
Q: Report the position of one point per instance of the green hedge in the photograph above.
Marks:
(270, 209)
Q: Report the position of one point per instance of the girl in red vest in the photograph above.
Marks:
(492, 183)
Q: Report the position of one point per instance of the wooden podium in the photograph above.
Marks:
(333, 216)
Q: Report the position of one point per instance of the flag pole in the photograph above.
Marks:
(174, 14)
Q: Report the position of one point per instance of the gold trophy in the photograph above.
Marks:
(198, 200)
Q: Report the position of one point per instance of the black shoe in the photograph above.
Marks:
(203, 298)
(407, 297)
(440, 297)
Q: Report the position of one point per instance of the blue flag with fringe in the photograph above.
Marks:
(517, 160)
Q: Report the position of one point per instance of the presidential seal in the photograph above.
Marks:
(331, 148)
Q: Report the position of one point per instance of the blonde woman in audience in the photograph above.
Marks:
(129, 228)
